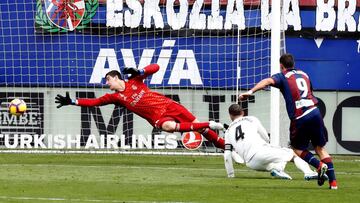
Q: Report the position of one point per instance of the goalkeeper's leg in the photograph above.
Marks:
(178, 118)
(211, 135)
(168, 124)
(195, 125)
(202, 127)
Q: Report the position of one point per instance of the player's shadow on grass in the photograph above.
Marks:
(223, 176)
(253, 177)
(280, 187)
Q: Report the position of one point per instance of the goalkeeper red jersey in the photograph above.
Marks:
(136, 97)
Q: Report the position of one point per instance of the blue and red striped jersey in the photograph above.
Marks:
(295, 86)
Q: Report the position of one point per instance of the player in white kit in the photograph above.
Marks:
(246, 141)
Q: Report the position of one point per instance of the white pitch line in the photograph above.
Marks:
(82, 200)
(51, 151)
(347, 160)
(153, 167)
(113, 166)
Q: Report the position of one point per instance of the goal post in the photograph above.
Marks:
(208, 52)
(275, 66)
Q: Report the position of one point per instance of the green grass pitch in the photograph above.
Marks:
(150, 178)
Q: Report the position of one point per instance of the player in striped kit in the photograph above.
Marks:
(306, 121)
(160, 111)
(246, 141)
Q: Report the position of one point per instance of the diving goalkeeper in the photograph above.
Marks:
(160, 111)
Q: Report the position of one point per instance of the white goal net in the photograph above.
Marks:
(208, 52)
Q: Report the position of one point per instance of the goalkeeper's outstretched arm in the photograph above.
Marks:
(149, 70)
(101, 101)
(66, 100)
(142, 73)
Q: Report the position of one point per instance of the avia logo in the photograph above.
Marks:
(192, 140)
(185, 66)
(65, 15)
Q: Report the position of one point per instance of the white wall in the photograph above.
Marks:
(67, 120)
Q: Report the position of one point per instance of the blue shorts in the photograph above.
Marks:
(308, 128)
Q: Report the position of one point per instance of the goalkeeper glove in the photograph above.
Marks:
(133, 72)
(64, 101)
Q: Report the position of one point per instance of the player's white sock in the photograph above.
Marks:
(279, 166)
(280, 174)
(215, 125)
(302, 165)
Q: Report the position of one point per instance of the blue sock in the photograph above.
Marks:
(309, 157)
(330, 172)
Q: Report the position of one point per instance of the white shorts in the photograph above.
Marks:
(270, 157)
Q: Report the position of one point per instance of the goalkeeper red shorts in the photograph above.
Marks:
(175, 112)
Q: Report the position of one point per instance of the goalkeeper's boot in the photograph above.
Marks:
(333, 185)
(280, 174)
(321, 173)
(215, 125)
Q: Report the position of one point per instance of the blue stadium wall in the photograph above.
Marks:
(333, 64)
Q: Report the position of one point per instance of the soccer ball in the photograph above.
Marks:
(17, 107)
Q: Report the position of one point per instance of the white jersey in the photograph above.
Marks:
(246, 140)
(247, 136)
